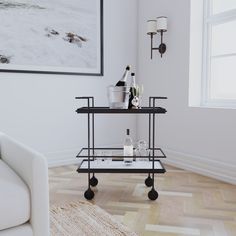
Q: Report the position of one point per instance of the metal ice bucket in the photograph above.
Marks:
(118, 96)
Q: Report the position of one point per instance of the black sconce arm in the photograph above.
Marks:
(162, 46)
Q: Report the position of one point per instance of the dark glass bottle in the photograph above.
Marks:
(132, 90)
(123, 80)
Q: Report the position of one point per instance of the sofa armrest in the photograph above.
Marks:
(32, 167)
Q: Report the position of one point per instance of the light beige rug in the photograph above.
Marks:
(85, 219)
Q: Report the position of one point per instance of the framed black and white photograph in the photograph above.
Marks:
(51, 36)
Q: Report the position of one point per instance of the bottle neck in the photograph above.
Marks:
(128, 140)
(125, 76)
(133, 82)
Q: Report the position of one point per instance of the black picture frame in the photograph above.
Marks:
(101, 67)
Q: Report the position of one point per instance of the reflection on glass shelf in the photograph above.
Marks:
(120, 165)
(116, 153)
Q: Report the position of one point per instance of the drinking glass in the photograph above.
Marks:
(142, 152)
(97, 157)
(108, 156)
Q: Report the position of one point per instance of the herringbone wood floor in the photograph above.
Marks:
(188, 203)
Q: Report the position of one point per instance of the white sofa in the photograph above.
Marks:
(24, 195)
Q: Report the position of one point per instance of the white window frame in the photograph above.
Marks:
(208, 21)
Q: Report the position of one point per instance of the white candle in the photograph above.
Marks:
(151, 27)
(161, 23)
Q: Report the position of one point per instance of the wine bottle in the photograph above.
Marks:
(128, 149)
(132, 90)
(123, 80)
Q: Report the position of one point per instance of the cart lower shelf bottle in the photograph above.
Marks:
(128, 149)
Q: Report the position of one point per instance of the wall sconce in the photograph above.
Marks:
(159, 25)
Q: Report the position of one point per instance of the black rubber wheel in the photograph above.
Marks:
(89, 194)
(148, 181)
(153, 195)
(93, 181)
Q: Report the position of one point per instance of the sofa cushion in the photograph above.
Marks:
(14, 198)
(22, 230)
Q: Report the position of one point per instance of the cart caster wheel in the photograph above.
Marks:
(89, 194)
(153, 195)
(93, 181)
(148, 181)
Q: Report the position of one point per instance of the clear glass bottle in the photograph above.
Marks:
(128, 148)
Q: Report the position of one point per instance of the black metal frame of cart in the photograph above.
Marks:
(91, 110)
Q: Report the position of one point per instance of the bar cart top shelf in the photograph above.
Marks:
(152, 109)
(107, 110)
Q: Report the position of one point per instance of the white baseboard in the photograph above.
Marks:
(62, 158)
(64, 162)
(67, 157)
(201, 165)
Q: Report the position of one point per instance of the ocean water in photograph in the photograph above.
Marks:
(49, 33)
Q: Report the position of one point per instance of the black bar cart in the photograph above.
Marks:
(152, 166)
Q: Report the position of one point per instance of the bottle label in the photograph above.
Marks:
(128, 150)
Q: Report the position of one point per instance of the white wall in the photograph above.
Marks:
(199, 139)
(39, 110)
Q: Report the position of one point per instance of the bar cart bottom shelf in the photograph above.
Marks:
(116, 166)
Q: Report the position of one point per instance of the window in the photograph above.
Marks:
(219, 53)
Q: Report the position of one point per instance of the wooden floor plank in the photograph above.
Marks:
(188, 203)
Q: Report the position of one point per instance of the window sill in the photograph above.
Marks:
(215, 105)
